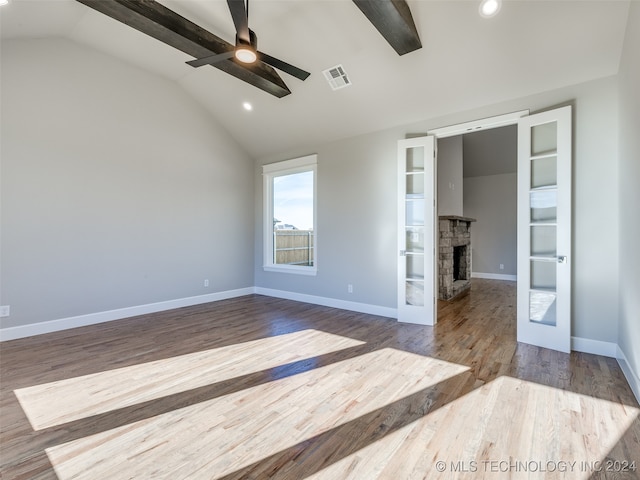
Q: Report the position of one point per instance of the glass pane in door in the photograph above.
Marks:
(544, 172)
(543, 232)
(415, 212)
(543, 241)
(543, 275)
(543, 206)
(415, 185)
(542, 307)
(544, 138)
(415, 267)
(415, 239)
(415, 159)
(414, 293)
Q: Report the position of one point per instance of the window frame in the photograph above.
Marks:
(308, 163)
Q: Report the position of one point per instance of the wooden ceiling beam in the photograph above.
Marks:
(157, 21)
(394, 21)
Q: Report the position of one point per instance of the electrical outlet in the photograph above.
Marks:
(206, 282)
(350, 288)
(502, 266)
(5, 310)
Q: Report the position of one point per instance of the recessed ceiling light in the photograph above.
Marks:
(488, 8)
(4, 2)
(247, 106)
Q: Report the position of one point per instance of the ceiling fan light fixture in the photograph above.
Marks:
(489, 8)
(246, 54)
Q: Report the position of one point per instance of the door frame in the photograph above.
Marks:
(477, 125)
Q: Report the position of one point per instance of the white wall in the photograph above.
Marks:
(629, 196)
(357, 208)
(492, 201)
(118, 190)
(450, 185)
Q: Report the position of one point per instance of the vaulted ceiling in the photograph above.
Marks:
(465, 62)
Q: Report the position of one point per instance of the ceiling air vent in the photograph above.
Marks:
(337, 77)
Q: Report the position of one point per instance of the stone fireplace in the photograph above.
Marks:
(454, 258)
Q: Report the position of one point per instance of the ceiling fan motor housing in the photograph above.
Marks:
(247, 52)
(253, 40)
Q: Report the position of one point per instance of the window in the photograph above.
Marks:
(290, 216)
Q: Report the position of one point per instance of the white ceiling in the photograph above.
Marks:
(466, 61)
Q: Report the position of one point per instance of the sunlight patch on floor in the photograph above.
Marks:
(220, 436)
(509, 428)
(75, 398)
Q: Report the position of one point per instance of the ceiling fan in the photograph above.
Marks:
(246, 49)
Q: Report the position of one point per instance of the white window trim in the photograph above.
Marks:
(287, 167)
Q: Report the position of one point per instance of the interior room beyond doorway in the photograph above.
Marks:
(477, 178)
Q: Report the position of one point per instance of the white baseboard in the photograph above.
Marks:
(330, 302)
(632, 377)
(12, 333)
(595, 347)
(494, 276)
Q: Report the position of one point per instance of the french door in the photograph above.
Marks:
(417, 241)
(544, 229)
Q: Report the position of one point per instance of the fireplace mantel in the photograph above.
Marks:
(455, 217)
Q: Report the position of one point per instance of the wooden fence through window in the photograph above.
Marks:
(293, 247)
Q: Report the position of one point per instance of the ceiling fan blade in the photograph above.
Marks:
(284, 66)
(240, 19)
(211, 59)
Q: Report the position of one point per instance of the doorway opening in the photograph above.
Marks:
(476, 180)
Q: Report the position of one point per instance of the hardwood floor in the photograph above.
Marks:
(258, 387)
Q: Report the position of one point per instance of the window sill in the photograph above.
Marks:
(291, 269)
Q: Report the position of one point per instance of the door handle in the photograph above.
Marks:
(562, 259)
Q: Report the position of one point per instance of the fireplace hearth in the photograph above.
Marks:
(454, 256)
